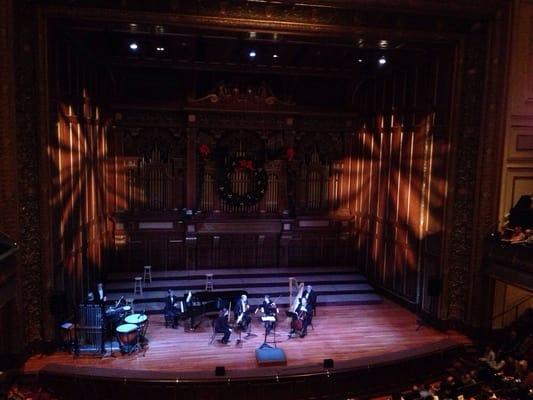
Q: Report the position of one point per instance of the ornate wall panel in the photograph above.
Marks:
(10, 270)
(472, 61)
(474, 187)
(28, 156)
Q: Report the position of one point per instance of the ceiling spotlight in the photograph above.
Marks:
(252, 54)
(134, 46)
(383, 44)
(275, 55)
(253, 35)
(160, 48)
(159, 29)
(359, 60)
(133, 27)
(382, 60)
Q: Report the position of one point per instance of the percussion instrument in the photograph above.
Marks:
(141, 321)
(138, 319)
(128, 337)
(127, 310)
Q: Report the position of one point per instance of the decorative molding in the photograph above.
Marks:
(351, 21)
(242, 97)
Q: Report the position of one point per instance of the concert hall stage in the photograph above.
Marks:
(353, 336)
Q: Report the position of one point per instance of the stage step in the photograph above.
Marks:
(334, 286)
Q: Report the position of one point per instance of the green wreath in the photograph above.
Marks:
(259, 177)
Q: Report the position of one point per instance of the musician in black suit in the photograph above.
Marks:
(242, 315)
(188, 308)
(107, 322)
(221, 325)
(269, 309)
(100, 294)
(172, 310)
(310, 295)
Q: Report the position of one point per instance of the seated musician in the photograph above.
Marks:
(90, 298)
(269, 308)
(242, 315)
(303, 313)
(100, 294)
(171, 310)
(221, 325)
(310, 295)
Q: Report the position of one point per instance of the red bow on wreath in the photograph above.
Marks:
(290, 153)
(246, 164)
(204, 150)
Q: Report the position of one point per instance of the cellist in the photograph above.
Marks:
(301, 318)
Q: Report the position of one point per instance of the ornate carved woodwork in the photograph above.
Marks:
(11, 328)
(468, 146)
(241, 96)
(28, 155)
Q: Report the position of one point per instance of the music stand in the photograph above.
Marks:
(269, 318)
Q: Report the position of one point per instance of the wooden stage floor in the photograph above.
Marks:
(342, 333)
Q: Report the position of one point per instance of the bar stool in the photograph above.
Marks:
(147, 273)
(138, 287)
(208, 281)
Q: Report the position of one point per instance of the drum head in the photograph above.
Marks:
(126, 328)
(136, 318)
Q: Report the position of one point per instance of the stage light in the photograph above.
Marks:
(253, 35)
(160, 49)
(382, 60)
(275, 55)
(134, 46)
(359, 60)
(252, 54)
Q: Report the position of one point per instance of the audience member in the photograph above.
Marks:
(511, 345)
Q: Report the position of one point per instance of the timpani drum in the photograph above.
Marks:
(127, 335)
(137, 319)
(141, 320)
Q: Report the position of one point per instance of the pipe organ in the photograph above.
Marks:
(172, 192)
